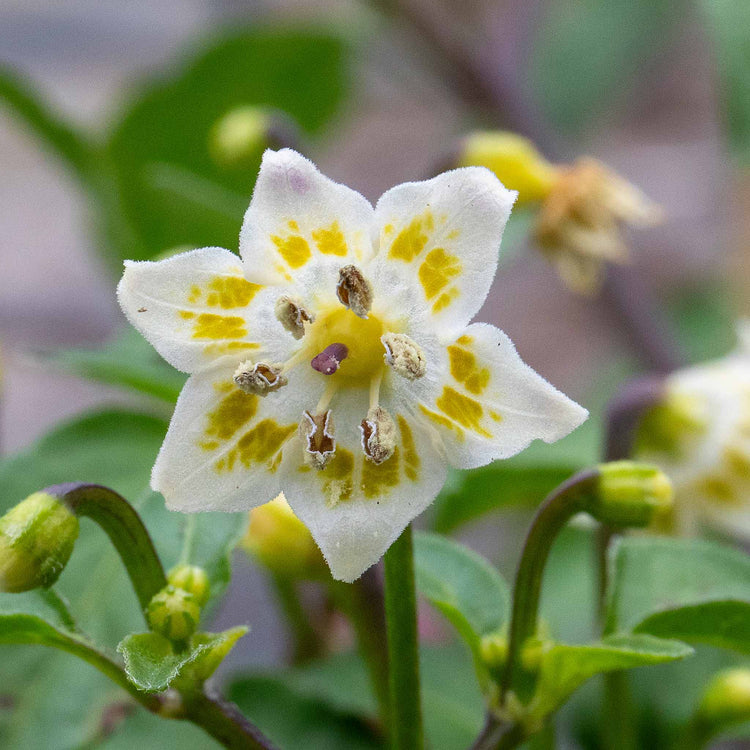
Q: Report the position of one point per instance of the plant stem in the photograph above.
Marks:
(618, 713)
(122, 524)
(306, 643)
(567, 500)
(362, 603)
(403, 652)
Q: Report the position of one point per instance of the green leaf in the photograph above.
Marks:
(128, 361)
(117, 449)
(145, 730)
(654, 575)
(61, 138)
(463, 586)
(590, 54)
(730, 22)
(564, 668)
(470, 494)
(172, 191)
(724, 624)
(152, 664)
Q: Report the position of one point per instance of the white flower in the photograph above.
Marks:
(335, 360)
(700, 436)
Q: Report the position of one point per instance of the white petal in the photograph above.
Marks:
(224, 447)
(484, 403)
(446, 232)
(194, 307)
(297, 215)
(355, 509)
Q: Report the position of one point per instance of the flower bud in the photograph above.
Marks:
(631, 494)
(192, 579)
(493, 649)
(726, 700)
(281, 542)
(174, 613)
(239, 137)
(514, 160)
(36, 541)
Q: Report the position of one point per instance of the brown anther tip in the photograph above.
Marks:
(328, 361)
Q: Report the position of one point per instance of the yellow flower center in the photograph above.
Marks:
(361, 338)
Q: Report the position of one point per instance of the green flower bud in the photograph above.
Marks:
(192, 579)
(36, 541)
(493, 649)
(631, 494)
(174, 613)
(726, 700)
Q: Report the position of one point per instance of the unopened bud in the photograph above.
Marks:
(378, 435)
(631, 494)
(36, 540)
(238, 138)
(281, 542)
(493, 649)
(513, 159)
(174, 613)
(192, 579)
(726, 700)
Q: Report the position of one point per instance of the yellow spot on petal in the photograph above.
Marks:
(718, 489)
(224, 386)
(195, 294)
(233, 412)
(330, 241)
(209, 445)
(294, 250)
(465, 369)
(336, 477)
(377, 479)
(445, 299)
(262, 443)
(293, 225)
(411, 457)
(738, 461)
(439, 419)
(411, 241)
(497, 417)
(388, 229)
(228, 347)
(186, 314)
(462, 409)
(437, 270)
(464, 340)
(210, 326)
(231, 291)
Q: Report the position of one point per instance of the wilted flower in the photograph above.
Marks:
(700, 435)
(582, 205)
(335, 360)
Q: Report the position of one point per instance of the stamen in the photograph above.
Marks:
(317, 432)
(378, 435)
(354, 291)
(375, 389)
(259, 378)
(404, 355)
(294, 360)
(328, 361)
(291, 314)
(327, 397)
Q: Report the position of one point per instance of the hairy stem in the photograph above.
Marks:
(403, 652)
(119, 520)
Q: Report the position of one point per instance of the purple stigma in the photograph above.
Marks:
(328, 361)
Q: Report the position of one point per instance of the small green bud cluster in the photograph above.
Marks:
(726, 700)
(175, 611)
(36, 540)
(631, 494)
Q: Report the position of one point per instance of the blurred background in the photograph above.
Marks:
(381, 93)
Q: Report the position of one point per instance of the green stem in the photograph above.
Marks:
(306, 642)
(126, 531)
(567, 500)
(403, 650)
(362, 603)
(618, 714)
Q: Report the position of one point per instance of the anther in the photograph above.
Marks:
(316, 430)
(404, 355)
(328, 361)
(378, 435)
(259, 378)
(292, 316)
(354, 291)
